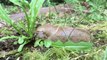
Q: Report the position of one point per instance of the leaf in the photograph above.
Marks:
(71, 1)
(21, 46)
(41, 43)
(4, 16)
(21, 40)
(47, 43)
(35, 6)
(68, 42)
(87, 0)
(25, 3)
(69, 45)
(16, 2)
(37, 43)
(8, 20)
(15, 42)
(58, 43)
(105, 54)
(78, 46)
(8, 37)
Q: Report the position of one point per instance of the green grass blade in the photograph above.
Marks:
(16, 2)
(4, 16)
(35, 6)
(8, 20)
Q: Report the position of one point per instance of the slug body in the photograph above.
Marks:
(55, 33)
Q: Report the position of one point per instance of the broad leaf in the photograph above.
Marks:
(73, 46)
(41, 44)
(47, 43)
(37, 43)
(21, 40)
(78, 46)
(21, 46)
(58, 43)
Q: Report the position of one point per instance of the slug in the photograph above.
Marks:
(55, 33)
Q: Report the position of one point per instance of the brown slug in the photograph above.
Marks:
(55, 33)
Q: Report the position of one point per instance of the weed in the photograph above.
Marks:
(34, 7)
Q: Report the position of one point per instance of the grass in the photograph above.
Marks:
(29, 28)
(62, 54)
(96, 26)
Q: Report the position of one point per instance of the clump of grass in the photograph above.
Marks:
(63, 54)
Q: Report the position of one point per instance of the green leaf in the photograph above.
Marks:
(8, 20)
(105, 54)
(35, 6)
(71, 1)
(41, 43)
(58, 43)
(37, 43)
(68, 42)
(87, 0)
(78, 46)
(15, 42)
(25, 4)
(4, 16)
(8, 37)
(69, 45)
(47, 43)
(21, 46)
(16, 2)
(21, 40)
